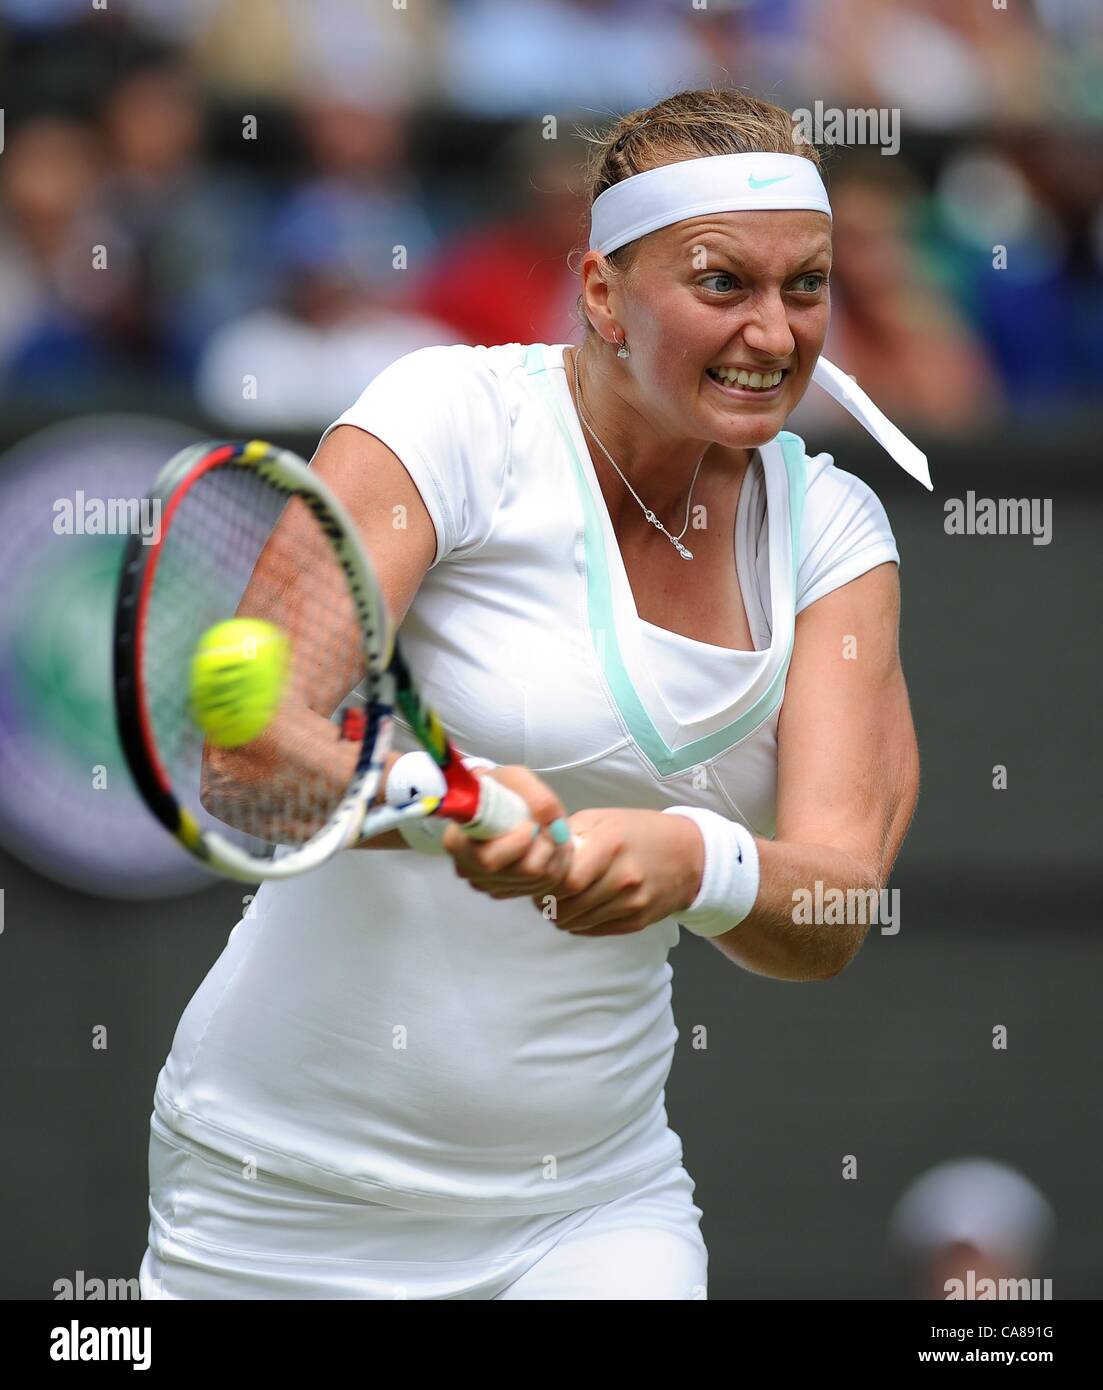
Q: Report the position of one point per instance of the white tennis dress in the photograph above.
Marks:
(380, 1039)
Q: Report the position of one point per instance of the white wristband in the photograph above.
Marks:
(424, 835)
(729, 884)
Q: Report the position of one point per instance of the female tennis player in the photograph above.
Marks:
(436, 1068)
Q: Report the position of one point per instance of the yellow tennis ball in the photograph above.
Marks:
(238, 674)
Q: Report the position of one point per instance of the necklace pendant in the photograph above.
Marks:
(683, 552)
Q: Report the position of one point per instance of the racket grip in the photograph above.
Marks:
(499, 811)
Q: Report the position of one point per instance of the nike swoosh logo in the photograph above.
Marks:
(765, 183)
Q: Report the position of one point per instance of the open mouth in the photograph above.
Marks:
(744, 382)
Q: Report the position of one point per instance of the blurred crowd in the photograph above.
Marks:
(261, 203)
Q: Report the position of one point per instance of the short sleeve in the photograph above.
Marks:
(442, 411)
(844, 533)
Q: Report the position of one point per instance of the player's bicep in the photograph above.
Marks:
(848, 771)
(387, 508)
(298, 585)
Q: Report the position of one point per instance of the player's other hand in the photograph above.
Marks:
(527, 860)
(630, 868)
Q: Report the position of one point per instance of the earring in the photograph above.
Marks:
(622, 348)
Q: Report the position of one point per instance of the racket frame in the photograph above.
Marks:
(287, 473)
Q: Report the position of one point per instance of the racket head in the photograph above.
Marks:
(239, 524)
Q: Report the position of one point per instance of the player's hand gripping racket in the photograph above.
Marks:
(257, 672)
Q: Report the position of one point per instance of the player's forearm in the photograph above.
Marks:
(778, 938)
(259, 780)
(257, 786)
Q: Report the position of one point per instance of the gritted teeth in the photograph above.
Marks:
(755, 381)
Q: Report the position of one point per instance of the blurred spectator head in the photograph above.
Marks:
(48, 177)
(543, 185)
(873, 203)
(893, 326)
(971, 1214)
(153, 122)
(350, 139)
(357, 53)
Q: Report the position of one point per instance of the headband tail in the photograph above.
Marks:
(852, 398)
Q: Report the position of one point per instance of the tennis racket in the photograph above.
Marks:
(249, 531)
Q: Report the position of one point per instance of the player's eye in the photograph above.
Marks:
(728, 282)
(811, 283)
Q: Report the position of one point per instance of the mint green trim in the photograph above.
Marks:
(792, 449)
(666, 760)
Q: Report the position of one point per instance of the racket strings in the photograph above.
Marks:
(235, 546)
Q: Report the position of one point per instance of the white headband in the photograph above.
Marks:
(740, 183)
(692, 187)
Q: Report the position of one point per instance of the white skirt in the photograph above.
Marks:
(216, 1234)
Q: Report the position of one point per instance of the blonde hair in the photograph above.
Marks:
(686, 125)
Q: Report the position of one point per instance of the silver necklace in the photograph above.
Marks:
(675, 541)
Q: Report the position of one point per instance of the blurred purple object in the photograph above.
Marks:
(67, 806)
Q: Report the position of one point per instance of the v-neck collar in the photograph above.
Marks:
(616, 629)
